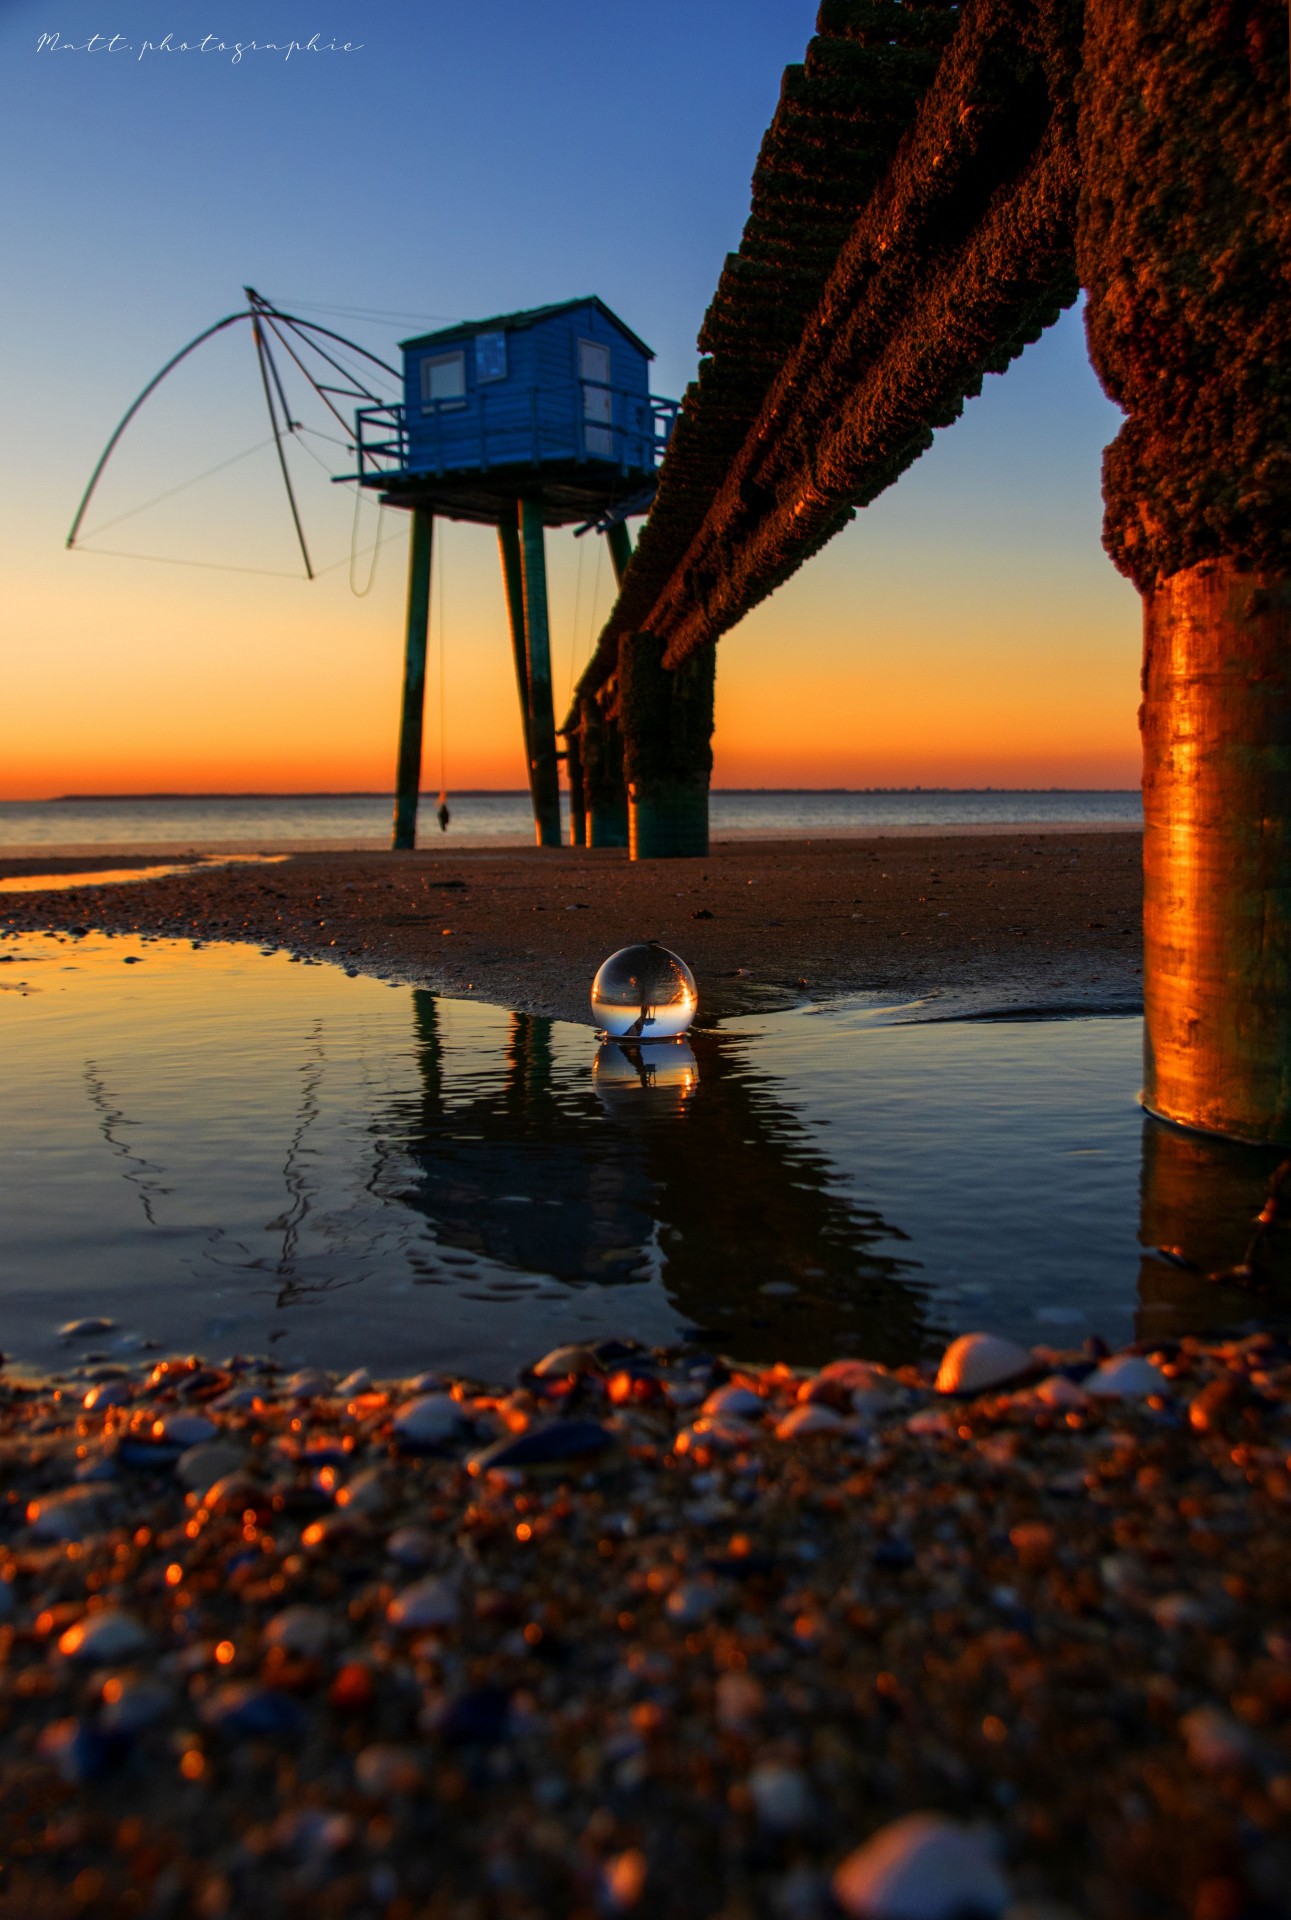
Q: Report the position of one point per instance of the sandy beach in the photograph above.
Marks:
(980, 922)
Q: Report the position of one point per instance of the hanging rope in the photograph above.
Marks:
(573, 631)
(361, 593)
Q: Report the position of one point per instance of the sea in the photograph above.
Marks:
(288, 822)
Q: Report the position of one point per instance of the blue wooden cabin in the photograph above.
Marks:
(554, 401)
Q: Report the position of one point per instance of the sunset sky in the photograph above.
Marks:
(967, 630)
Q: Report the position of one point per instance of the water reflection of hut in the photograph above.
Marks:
(528, 1170)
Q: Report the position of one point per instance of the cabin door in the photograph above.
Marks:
(594, 373)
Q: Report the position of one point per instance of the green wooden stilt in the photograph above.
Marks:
(544, 774)
(577, 787)
(513, 580)
(408, 773)
(620, 541)
(604, 793)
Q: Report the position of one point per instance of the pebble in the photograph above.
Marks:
(110, 1634)
(781, 1798)
(1125, 1377)
(425, 1383)
(385, 1769)
(248, 1711)
(809, 1418)
(922, 1867)
(134, 1702)
(557, 1441)
(354, 1383)
(735, 1403)
(431, 1603)
(1060, 1392)
(411, 1547)
(310, 1383)
(740, 1701)
(186, 1429)
(428, 1421)
(978, 1361)
(1216, 1742)
(563, 1362)
(85, 1329)
(203, 1466)
(303, 1629)
(692, 1601)
(68, 1514)
(112, 1393)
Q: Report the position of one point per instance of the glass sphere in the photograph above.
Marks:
(654, 1078)
(644, 993)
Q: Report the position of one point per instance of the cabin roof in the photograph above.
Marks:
(527, 317)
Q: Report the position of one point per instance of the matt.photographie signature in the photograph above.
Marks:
(210, 45)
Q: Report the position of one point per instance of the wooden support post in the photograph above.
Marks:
(1184, 199)
(407, 783)
(1217, 851)
(513, 581)
(667, 748)
(605, 793)
(577, 790)
(544, 774)
(620, 543)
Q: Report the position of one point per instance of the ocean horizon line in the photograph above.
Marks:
(511, 793)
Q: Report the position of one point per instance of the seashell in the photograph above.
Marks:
(977, 1361)
(66, 1515)
(111, 1393)
(1216, 1744)
(1126, 1376)
(739, 1403)
(308, 1384)
(411, 1546)
(249, 1711)
(1060, 1392)
(110, 1634)
(186, 1429)
(304, 1630)
(836, 1383)
(132, 1703)
(923, 1867)
(385, 1768)
(808, 1418)
(561, 1362)
(203, 1466)
(781, 1797)
(691, 1601)
(431, 1603)
(545, 1446)
(1175, 1612)
(428, 1421)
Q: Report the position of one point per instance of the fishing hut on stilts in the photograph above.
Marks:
(525, 421)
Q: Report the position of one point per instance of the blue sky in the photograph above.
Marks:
(459, 161)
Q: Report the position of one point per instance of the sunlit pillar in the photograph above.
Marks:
(1185, 163)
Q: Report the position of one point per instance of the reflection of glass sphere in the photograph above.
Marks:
(654, 1078)
(644, 993)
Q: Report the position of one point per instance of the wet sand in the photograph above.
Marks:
(978, 922)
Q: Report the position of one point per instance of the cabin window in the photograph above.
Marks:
(443, 381)
(594, 372)
(490, 357)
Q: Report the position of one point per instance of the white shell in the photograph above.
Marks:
(303, 1630)
(923, 1867)
(739, 1403)
(977, 1361)
(308, 1383)
(562, 1361)
(808, 1418)
(435, 1416)
(431, 1603)
(1058, 1391)
(1126, 1376)
(781, 1797)
(110, 1393)
(200, 1467)
(188, 1429)
(1215, 1743)
(109, 1635)
(357, 1382)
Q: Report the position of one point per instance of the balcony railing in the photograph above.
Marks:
(454, 436)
